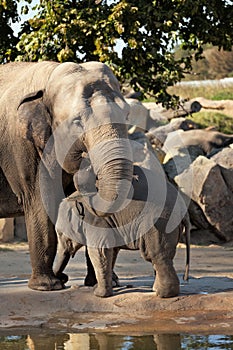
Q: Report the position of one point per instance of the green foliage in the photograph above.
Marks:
(62, 31)
(223, 95)
(8, 15)
(220, 121)
(149, 31)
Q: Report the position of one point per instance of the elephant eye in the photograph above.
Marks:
(77, 121)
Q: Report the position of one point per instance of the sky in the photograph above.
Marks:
(16, 26)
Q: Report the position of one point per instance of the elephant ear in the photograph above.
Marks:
(34, 120)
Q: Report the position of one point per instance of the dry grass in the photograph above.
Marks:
(210, 91)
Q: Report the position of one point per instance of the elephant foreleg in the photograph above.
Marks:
(60, 267)
(90, 279)
(42, 245)
(10, 206)
(101, 259)
(66, 249)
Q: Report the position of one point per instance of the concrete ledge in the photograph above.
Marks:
(204, 304)
(133, 308)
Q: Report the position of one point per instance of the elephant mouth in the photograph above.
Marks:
(86, 192)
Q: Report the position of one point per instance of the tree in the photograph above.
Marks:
(220, 63)
(216, 64)
(8, 41)
(82, 30)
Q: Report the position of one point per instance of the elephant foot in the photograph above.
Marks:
(62, 277)
(102, 292)
(115, 280)
(90, 280)
(45, 283)
(166, 290)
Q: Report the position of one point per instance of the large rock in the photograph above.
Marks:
(224, 159)
(158, 135)
(143, 153)
(138, 114)
(150, 114)
(6, 230)
(178, 158)
(210, 141)
(197, 216)
(205, 184)
(158, 112)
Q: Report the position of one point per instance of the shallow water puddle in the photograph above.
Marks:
(109, 341)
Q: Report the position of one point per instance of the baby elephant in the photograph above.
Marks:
(152, 221)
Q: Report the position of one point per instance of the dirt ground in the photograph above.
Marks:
(204, 304)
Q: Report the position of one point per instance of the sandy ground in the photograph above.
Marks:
(204, 304)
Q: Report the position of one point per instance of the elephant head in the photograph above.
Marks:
(82, 108)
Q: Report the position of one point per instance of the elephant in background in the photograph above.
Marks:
(51, 114)
(152, 222)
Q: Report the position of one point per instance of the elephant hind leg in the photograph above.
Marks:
(159, 248)
(166, 283)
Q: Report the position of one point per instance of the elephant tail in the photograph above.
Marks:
(187, 225)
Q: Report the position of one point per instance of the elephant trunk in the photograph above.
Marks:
(113, 166)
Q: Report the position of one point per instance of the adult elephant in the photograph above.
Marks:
(50, 114)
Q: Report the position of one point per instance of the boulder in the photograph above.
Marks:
(224, 159)
(158, 112)
(210, 141)
(197, 216)
(138, 115)
(205, 184)
(151, 114)
(158, 135)
(178, 159)
(143, 153)
(7, 230)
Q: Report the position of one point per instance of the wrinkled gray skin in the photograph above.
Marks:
(81, 106)
(75, 223)
(207, 140)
